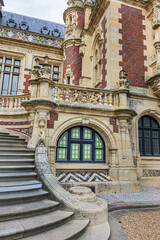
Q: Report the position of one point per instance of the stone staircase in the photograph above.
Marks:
(26, 212)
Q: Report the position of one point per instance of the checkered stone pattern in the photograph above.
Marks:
(133, 59)
(83, 176)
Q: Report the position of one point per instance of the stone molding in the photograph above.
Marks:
(30, 37)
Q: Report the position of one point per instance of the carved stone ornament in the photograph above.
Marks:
(32, 38)
(85, 121)
(156, 13)
(123, 83)
(154, 83)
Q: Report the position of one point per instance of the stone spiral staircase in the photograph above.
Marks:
(26, 212)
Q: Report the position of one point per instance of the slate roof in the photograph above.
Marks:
(32, 24)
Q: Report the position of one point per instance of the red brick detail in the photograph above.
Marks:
(113, 122)
(115, 129)
(73, 59)
(15, 123)
(53, 117)
(104, 51)
(133, 45)
(80, 20)
(26, 83)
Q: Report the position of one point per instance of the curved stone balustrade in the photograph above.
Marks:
(77, 94)
(12, 102)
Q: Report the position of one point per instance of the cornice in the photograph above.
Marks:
(140, 3)
(97, 13)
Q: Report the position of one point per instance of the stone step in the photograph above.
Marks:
(17, 176)
(16, 162)
(20, 188)
(18, 168)
(20, 210)
(16, 156)
(4, 134)
(8, 140)
(9, 198)
(13, 146)
(11, 137)
(70, 230)
(24, 227)
(19, 183)
(16, 150)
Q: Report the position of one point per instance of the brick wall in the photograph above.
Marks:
(133, 58)
(26, 83)
(80, 20)
(73, 59)
(104, 51)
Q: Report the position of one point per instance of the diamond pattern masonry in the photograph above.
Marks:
(133, 59)
(78, 176)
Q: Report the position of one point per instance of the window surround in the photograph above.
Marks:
(10, 72)
(149, 135)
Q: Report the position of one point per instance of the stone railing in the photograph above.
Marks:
(82, 95)
(12, 102)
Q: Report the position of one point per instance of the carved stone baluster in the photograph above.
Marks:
(19, 102)
(56, 94)
(61, 95)
(15, 103)
(11, 103)
(100, 98)
(105, 99)
(7, 102)
(67, 95)
(110, 101)
(2, 102)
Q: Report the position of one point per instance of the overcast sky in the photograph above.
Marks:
(51, 10)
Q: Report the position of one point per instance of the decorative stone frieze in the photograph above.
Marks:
(154, 83)
(30, 37)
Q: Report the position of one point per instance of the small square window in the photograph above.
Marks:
(15, 69)
(7, 68)
(55, 75)
(17, 62)
(56, 69)
(8, 61)
(1, 59)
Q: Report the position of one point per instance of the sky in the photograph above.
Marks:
(51, 10)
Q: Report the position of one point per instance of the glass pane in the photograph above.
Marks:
(147, 133)
(9, 61)
(8, 69)
(140, 122)
(147, 143)
(17, 62)
(87, 133)
(154, 123)
(15, 69)
(98, 154)
(75, 133)
(62, 153)
(155, 146)
(53, 91)
(155, 134)
(140, 133)
(56, 69)
(98, 143)
(63, 141)
(140, 146)
(5, 85)
(14, 87)
(1, 59)
(75, 151)
(87, 151)
(146, 121)
(55, 75)
(0, 67)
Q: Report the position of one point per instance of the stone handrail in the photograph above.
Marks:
(96, 212)
(84, 95)
(12, 101)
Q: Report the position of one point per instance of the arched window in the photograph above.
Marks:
(149, 136)
(82, 145)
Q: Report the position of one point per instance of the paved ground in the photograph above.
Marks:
(126, 203)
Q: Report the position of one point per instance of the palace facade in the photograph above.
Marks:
(90, 89)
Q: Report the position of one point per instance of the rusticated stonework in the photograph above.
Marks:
(133, 58)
